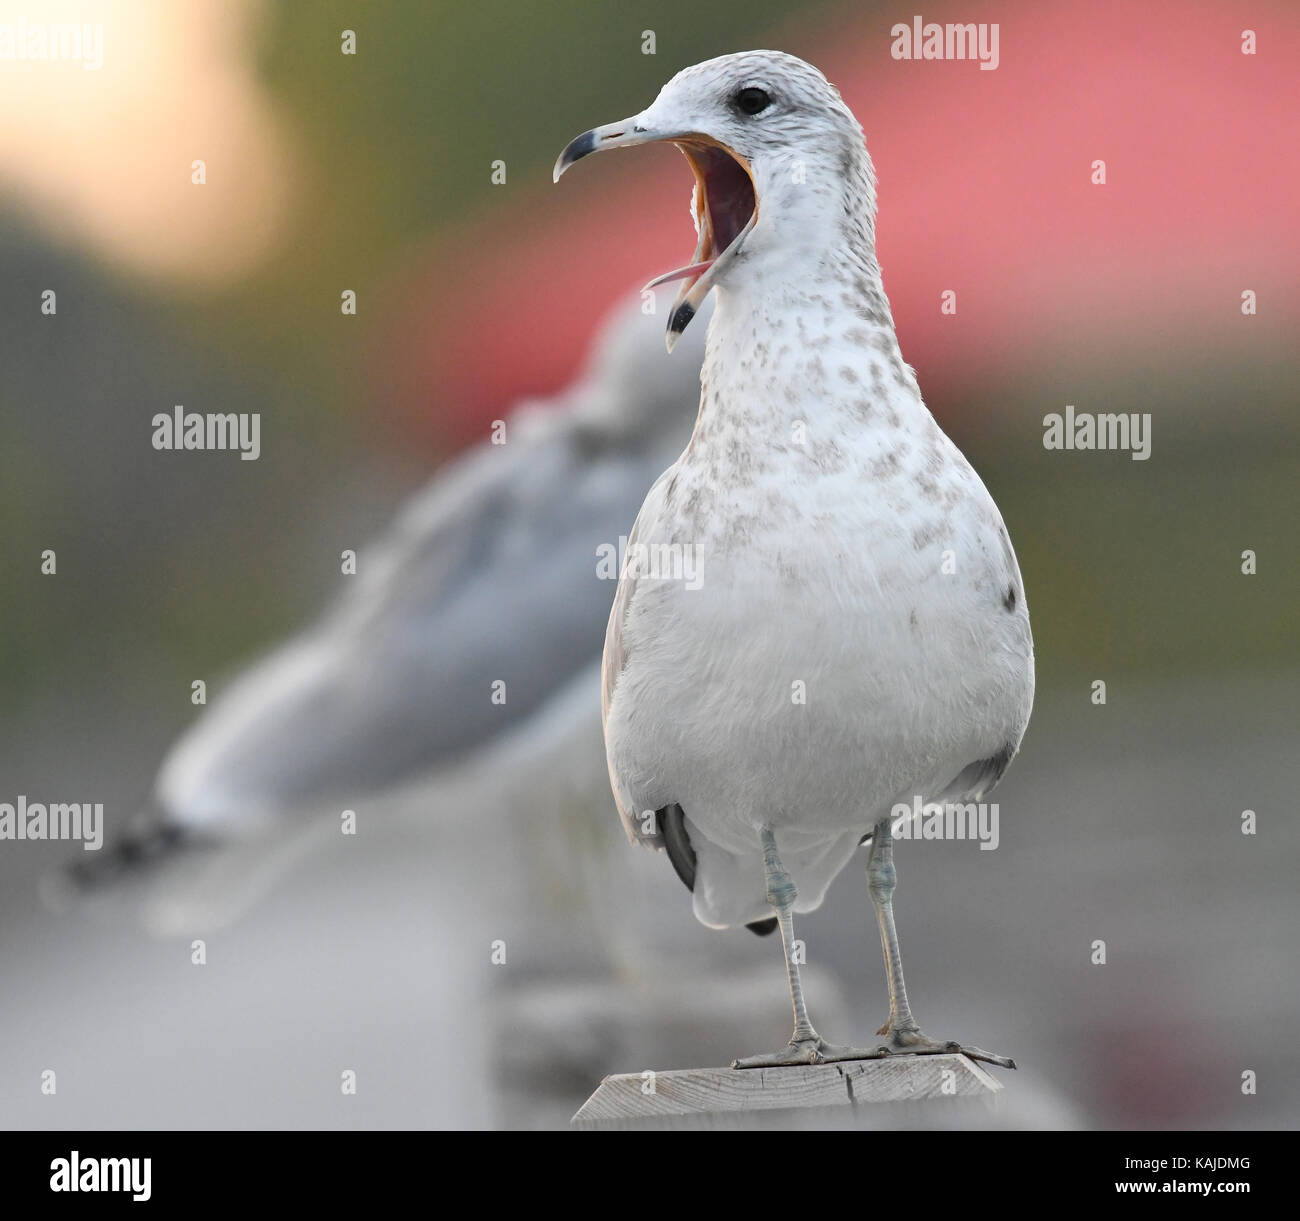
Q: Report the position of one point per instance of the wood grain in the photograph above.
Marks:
(653, 1096)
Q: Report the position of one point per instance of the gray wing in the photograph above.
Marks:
(613, 663)
(490, 574)
(981, 777)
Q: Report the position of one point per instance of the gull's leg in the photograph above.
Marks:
(781, 894)
(881, 880)
(902, 1035)
(806, 1045)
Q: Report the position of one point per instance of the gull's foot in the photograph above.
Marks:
(908, 1041)
(913, 1041)
(808, 1051)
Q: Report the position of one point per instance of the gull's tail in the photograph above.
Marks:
(136, 857)
(178, 880)
(125, 869)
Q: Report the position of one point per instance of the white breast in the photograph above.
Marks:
(858, 634)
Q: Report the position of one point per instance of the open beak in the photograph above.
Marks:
(725, 206)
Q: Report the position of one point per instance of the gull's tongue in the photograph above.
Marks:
(694, 271)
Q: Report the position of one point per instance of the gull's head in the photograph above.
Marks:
(779, 164)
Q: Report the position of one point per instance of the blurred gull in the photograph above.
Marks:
(489, 573)
(496, 570)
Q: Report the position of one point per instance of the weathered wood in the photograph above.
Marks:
(629, 1099)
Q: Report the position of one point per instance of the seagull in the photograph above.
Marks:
(491, 571)
(858, 634)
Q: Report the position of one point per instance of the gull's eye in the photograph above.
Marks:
(752, 100)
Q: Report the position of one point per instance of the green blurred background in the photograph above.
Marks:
(1132, 564)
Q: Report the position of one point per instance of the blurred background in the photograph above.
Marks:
(374, 173)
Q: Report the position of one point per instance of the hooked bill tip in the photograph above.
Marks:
(575, 150)
(680, 320)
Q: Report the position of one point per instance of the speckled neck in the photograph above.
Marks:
(803, 330)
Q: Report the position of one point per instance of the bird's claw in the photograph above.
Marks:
(803, 1051)
(909, 1042)
(912, 1041)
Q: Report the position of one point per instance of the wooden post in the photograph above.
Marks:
(756, 1096)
